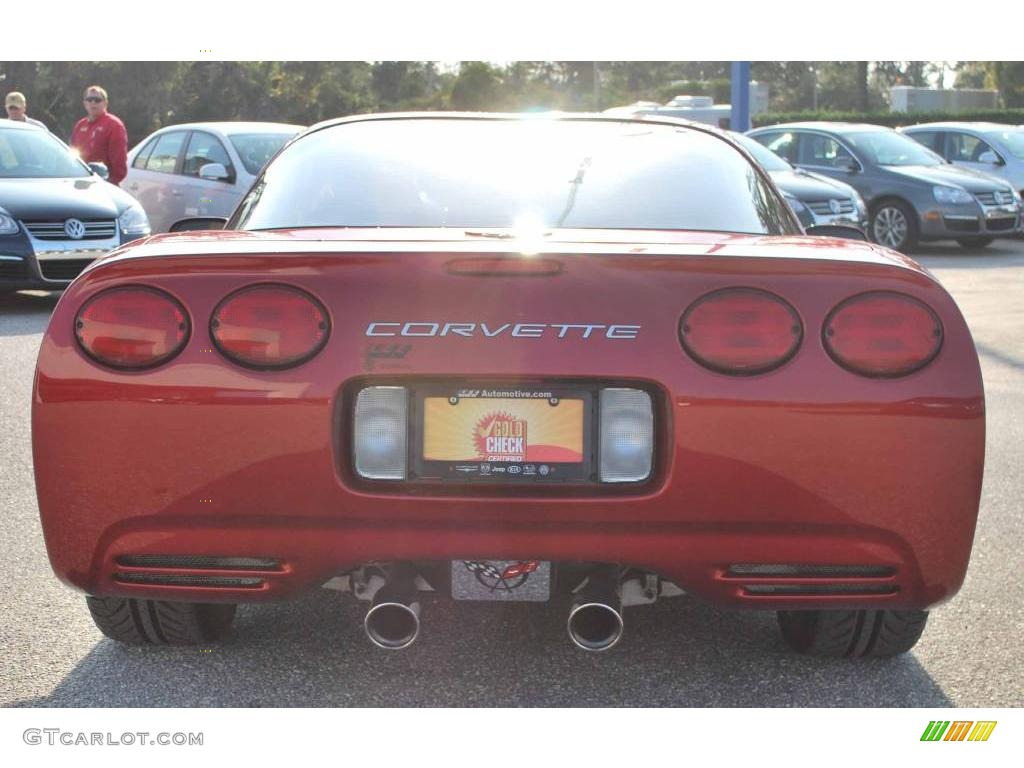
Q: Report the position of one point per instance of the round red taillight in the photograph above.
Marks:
(882, 334)
(269, 326)
(132, 327)
(740, 331)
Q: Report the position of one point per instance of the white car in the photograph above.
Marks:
(992, 148)
(197, 170)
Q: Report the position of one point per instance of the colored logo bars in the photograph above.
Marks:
(958, 730)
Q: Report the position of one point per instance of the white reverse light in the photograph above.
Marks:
(381, 429)
(627, 435)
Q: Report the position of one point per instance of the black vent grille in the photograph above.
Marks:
(1001, 225)
(63, 269)
(796, 579)
(190, 580)
(201, 562)
(810, 571)
(791, 590)
(962, 225)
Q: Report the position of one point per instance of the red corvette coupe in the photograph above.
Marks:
(510, 358)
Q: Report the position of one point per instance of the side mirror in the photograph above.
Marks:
(990, 157)
(836, 230)
(100, 169)
(213, 172)
(199, 223)
(847, 164)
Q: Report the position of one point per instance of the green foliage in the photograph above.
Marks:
(149, 95)
(893, 119)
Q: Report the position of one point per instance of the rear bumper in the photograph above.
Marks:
(751, 483)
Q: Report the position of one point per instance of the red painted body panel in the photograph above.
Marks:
(806, 464)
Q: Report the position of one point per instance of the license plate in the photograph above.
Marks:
(501, 580)
(487, 435)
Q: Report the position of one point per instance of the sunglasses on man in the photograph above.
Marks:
(94, 99)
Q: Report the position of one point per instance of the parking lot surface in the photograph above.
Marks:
(679, 652)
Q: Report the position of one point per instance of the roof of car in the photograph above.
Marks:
(965, 126)
(231, 127)
(18, 125)
(550, 115)
(822, 125)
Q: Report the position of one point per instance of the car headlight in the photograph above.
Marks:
(795, 204)
(862, 209)
(134, 221)
(8, 226)
(952, 195)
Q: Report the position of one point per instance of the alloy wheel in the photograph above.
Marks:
(890, 227)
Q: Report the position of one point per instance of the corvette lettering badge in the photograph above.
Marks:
(515, 330)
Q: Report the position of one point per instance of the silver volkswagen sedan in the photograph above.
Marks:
(199, 170)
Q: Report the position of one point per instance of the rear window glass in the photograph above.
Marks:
(256, 149)
(501, 173)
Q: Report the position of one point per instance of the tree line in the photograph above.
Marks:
(149, 95)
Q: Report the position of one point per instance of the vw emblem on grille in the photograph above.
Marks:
(74, 229)
(834, 206)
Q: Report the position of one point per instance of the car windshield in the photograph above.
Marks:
(498, 173)
(768, 159)
(891, 148)
(37, 154)
(1012, 140)
(256, 149)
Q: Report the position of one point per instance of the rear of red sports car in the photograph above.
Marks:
(504, 359)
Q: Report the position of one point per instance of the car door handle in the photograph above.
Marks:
(177, 193)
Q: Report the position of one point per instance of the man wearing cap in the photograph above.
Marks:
(15, 105)
(100, 137)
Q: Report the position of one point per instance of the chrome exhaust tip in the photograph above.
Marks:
(595, 619)
(595, 626)
(393, 624)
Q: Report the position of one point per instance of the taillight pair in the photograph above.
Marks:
(746, 331)
(266, 327)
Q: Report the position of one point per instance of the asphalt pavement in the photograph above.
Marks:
(679, 652)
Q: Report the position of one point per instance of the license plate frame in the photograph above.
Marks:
(520, 472)
(489, 580)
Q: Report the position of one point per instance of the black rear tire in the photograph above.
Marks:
(975, 242)
(852, 634)
(160, 622)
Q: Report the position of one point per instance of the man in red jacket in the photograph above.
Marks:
(100, 137)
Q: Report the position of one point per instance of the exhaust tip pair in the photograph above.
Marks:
(595, 620)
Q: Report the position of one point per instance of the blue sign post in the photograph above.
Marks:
(739, 120)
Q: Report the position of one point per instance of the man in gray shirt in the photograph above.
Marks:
(15, 105)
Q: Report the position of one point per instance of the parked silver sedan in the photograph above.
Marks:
(200, 169)
(993, 148)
